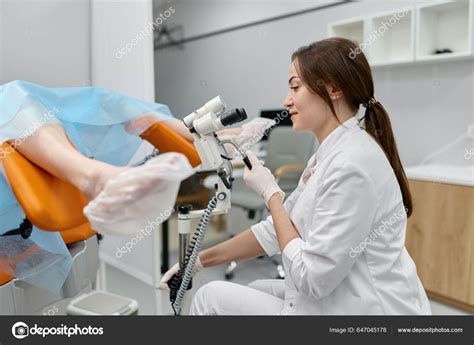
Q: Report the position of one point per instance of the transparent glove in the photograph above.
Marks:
(139, 196)
(251, 133)
(173, 270)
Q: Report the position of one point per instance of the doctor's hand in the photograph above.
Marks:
(173, 270)
(261, 180)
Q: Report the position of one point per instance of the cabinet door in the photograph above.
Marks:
(440, 239)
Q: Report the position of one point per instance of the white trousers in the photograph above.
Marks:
(261, 297)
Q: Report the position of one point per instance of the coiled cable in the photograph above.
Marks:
(182, 279)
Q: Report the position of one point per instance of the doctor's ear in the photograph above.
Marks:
(334, 92)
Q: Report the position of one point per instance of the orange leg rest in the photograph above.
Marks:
(167, 140)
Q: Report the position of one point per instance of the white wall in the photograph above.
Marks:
(430, 105)
(204, 16)
(116, 26)
(74, 43)
(45, 42)
(1, 40)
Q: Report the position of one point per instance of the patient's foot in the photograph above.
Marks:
(97, 177)
(98, 174)
(130, 200)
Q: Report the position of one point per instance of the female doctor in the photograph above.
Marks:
(341, 233)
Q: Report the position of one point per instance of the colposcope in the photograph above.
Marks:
(203, 123)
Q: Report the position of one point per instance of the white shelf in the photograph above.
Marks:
(395, 40)
(447, 25)
(414, 37)
(352, 29)
(450, 58)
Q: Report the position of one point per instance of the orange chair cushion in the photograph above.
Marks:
(166, 140)
(48, 202)
(79, 233)
(4, 278)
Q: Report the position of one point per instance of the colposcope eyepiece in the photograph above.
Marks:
(215, 105)
(233, 116)
(212, 122)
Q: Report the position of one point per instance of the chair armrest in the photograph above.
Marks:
(281, 171)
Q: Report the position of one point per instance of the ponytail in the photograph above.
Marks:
(377, 124)
(331, 61)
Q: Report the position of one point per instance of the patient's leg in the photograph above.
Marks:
(139, 125)
(170, 135)
(50, 148)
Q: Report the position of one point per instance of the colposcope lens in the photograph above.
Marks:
(233, 116)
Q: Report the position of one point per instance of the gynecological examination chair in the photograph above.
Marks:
(55, 205)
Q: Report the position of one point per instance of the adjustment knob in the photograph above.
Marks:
(185, 209)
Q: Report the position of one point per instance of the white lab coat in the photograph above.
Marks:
(351, 257)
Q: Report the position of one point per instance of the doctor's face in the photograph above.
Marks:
(308, 111)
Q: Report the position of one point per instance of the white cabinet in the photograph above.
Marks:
(352, 29)
(444, 27)
(435, 31)
(394, 37)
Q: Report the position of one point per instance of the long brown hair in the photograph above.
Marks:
(339, 62)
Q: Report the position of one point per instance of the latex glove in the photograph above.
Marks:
(250, 134)
(261, 179)
(253, 132)
(173, 270)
